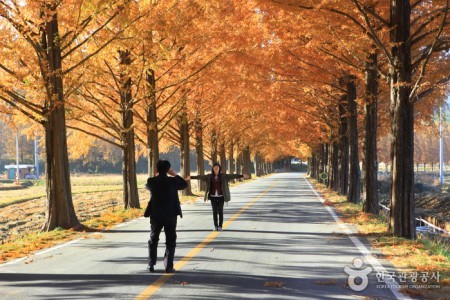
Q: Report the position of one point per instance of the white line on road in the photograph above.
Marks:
(392, 284)
(47, 250)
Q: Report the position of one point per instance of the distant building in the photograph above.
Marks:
(25, 171)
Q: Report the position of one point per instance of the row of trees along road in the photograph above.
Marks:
(104, 157)
(389, 58)
(267, 79)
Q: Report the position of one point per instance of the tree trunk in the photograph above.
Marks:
(247, 167)
(184, 149)
(231, 160)
(334, 166)
(223, 157)
(402, 219)
(343, 148)
(60, 211)
(370, 160)
(214, 147)
(310, 171)
(152, 125)
(199, 150)
(257, 163)
(326, 150)
(130, 192)
(354, 186)
(125, 161)
(313, 170)
(321, 160)
(239, 163)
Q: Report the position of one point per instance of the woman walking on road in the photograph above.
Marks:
(217, 191)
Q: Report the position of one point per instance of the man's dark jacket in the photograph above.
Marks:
(164, 201)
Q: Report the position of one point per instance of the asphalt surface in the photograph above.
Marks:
(279, 242)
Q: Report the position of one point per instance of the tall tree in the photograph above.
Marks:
(370, 170)
(130, 194)
(35, 85)
(354, 171)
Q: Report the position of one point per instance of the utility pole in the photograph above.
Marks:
(17, 158)
(36, 155)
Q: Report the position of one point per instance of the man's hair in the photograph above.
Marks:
(163, 166)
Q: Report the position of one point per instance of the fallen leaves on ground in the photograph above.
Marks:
(326, 282)
(277, 284)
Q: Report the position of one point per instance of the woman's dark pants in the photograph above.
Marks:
(217, 207)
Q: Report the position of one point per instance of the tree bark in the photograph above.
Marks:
(152, 125)
(343, 148)
(321, 160)
(334, 167)
(231, 160)
(60, 211)
(402, 219)
(370, 159)
(247, 161)
(184, 149)
(199, 150)
(130, 191)
(258, 165)
(239, 163)
(354, 185)
(213, 141)
(223, 157)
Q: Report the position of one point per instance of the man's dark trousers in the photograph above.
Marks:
(157, 224)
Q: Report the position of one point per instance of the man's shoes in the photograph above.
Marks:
(170, 270)
(220, 228)
(151, 268)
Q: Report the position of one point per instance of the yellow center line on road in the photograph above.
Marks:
(154, 287)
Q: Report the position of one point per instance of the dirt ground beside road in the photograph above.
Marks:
(29, 216)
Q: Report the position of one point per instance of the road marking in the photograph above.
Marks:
(154, 287)
(392, 284)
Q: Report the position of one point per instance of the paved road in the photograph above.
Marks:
(279, 242)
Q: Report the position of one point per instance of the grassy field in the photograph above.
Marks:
(80, 185)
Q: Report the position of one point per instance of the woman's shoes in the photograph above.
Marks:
(171, 270)
(217, 228)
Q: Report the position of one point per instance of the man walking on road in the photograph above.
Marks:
(163, 209)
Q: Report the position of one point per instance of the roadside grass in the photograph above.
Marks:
(40, 193)
(29, 243)
(80, 185)
(421, 255)
(32, 242)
